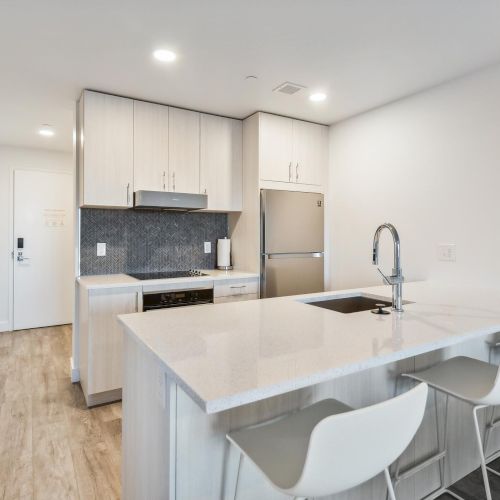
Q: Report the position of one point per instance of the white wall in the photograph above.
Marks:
(430, 164)
(10, 159)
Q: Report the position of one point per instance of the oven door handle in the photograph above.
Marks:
(178, 290)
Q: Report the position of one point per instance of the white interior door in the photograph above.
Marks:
(43, 248)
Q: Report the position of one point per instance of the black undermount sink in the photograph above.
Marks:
(349, 305)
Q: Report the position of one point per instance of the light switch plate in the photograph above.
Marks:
(447, 252)
(208, 247)
(101, 249)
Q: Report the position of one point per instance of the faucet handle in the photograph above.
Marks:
(387, 279)
(395, 279)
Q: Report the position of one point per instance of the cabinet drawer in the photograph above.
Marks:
(235, 298)
(236, 287)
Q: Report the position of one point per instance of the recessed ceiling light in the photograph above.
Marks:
(317, 97)
(46, 131)
(164, 55)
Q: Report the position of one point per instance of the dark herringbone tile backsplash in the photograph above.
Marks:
(148, 240)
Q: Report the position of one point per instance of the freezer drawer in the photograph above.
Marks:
(291, 222)
(292, 275)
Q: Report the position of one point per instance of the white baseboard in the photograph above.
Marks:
(75, 372)
(4, 326)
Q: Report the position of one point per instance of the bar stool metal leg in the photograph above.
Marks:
(439, 457)
(481, 451)
(390, 488)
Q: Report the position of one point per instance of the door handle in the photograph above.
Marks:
(173, 181)
(297, 173)
(290, 172)
(163, 180)
(21, 258)
(128, 194)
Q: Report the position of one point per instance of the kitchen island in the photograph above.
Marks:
(193, 374)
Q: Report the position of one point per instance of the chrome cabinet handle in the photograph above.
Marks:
(128, 194)
(297, 173)
(163, 180)
(290, 172)
(173, 181)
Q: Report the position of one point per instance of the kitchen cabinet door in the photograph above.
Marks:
(108, 171)
(184, 151)
(103, 341)
(276, 144)
(221, 162)
(310, 149)
(150, 146)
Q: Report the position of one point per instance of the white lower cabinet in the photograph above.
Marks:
(235, 298)
(236, 290)
(101, 340)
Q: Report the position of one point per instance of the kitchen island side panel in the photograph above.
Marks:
(148, 466)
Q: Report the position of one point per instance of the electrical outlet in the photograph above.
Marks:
(101, 249)
(208, 247)
(447, 252)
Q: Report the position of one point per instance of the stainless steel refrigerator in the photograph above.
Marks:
(292, 243)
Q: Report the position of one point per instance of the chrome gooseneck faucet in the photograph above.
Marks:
(396, 279)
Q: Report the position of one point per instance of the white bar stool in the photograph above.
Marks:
(328, 447)
(471, 380)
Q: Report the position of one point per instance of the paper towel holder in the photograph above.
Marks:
(225, 268)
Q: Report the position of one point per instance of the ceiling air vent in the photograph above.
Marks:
(289, 88)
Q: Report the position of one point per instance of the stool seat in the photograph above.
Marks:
(469, 379)
(473, 381)
(279, 448)
(329, 447)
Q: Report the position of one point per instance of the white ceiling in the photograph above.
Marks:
(363, 53)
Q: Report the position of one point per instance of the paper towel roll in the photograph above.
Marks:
(224, 253)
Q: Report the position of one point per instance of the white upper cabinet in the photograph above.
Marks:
(107, 126)
(292, 151)
(184, 151)
(150, 146)
(310, 151)
(125, 145)
(275, 146)
(221, 162)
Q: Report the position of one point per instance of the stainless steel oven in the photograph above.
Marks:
(177, 298)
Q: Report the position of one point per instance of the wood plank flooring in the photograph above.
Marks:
(51, 445)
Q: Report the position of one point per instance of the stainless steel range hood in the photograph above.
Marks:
(162, 200)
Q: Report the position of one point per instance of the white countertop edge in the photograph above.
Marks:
(147, 348)
(254, 395)
(218, 405)
(93, 282)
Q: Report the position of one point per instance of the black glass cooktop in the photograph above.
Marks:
(161, 275)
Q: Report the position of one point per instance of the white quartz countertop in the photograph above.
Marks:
(122, 280)
(228, 355)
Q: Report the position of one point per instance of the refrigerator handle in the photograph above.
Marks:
(294, 255)
(263, 244)
(290, 172)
